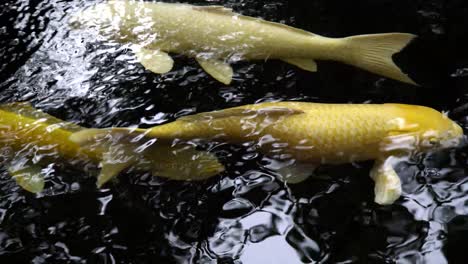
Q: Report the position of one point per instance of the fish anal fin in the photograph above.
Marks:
(111, 169)
(116, 146)
(305, 64)
(183, 162)
(387, 182)
(292, 171)
(218, 69)
(156, 61)
(243, 112)
(29, 177)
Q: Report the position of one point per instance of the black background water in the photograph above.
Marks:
(245, 215)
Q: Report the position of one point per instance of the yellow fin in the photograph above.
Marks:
(305, 64)
(374, 53)
(387, 182)
(27, 110)
(221, 10)
(112, 166)
(156, 61)
(29, 177)
(118, 153)
(218, 69)
(183, 162)
(296, 172)
(242, 112)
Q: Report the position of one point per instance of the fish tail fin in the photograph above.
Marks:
(122, 148)
(374, 53)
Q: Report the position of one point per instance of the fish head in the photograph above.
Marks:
(432, 129)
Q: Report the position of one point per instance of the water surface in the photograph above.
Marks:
(245, 215)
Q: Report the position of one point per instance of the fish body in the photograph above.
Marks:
(305, 135)
(215, 36)
(31, 140)
(310, 134)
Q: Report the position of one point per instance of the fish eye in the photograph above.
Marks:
(433, 141)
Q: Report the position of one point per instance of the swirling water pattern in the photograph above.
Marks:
(246, 215)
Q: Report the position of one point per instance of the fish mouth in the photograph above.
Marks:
(459, 142)
(463, 141)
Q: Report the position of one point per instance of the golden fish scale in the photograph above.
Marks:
(327, 133)
(331, 133)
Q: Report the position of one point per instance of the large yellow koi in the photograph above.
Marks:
(216, 36)
(306, 135)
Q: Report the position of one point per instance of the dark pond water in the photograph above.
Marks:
(245, 215)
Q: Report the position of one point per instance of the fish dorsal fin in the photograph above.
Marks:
(274, 112)
(221, 10)
(215, 9)
(183, 162)
(27, 110)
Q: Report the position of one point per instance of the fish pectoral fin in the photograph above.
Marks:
(156, 61)
(274, 112)
(29, 177)
(183, 163)
(305, 64)
(218, 69)
(387, 182)
(296, 172)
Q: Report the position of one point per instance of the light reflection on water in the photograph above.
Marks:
(243, 216)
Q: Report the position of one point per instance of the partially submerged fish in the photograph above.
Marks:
(215, 36)
(310, 134)
(31, 142)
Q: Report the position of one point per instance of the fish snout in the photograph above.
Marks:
(455, 141)
(463, 141)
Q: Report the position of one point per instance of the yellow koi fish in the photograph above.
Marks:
(216, 36)
(31, 141)
(307, 135)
